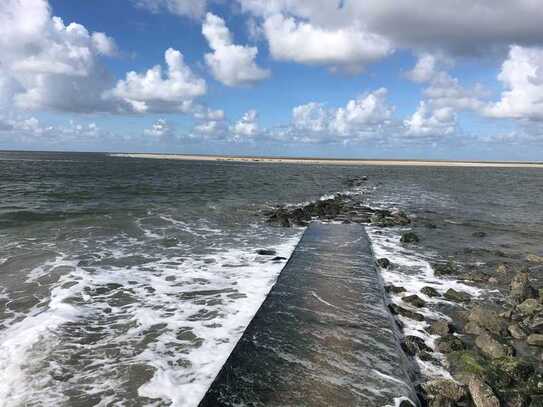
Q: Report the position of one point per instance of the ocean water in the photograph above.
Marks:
(128, 281)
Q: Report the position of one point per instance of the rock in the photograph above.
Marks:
(383, 263)
(444, 269)
(394, 289)
(479, 234)
(441, 328)
(516, 331)
(532, 258)
(487, 319)
(521, 289)
(409, 237)
(397, 310)
(535, 340)
(429, 291)
(529, 307)
(413, 345)
(514, 368)
(280, 217)
(482, 394)
(473, 328)
(491, 347)
(414, 300)
(450, 343)
(266, 252)
(406, 403)
(503, 268)
(279, 258)
(443, 392)
(384, 218)
(536, 325)
(457, 296)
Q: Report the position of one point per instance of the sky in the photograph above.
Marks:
(454, 79)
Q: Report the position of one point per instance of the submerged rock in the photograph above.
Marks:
(444, 269)
(479, 234)
(430, 291)
(458, 296)
(394, 289)
(413, 345)
(482, 394)
(397, 310)
(266, 252)
(414, 300)
(383, 263)
(409, 237)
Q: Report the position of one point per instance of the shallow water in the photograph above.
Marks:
(129, 281)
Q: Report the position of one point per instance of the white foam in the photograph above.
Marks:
(165, 291)
(412, 271)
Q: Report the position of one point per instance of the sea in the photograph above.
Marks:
(128, 281)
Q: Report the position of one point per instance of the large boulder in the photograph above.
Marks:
(521, 288)
(487, 319)
(384, 263)
(443, 392)
(482, 394)
(491, 347)
(535, 340)
(529, 307)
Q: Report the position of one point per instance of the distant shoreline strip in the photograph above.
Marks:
(327, 161)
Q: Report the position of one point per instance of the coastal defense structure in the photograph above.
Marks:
(323, 336)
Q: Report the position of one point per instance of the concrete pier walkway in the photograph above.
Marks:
(323, 336)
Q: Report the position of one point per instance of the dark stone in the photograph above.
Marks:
(450, 343)
(414, 300)
(444, 269)
(430, 291)
(383, 263)
(279, 258)
(394, 289)
(479, 234)
(397, 310)
(266, 252)
(457, 296)
(409, 237)
(413, 345)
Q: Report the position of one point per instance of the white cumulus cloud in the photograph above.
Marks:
(230, 64)
(48, 65)
(245, 128)
(348, 47)
(522, 76)
(156, 91)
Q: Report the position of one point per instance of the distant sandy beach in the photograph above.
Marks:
(324, 161)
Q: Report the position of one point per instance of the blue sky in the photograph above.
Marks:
(393, 79)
